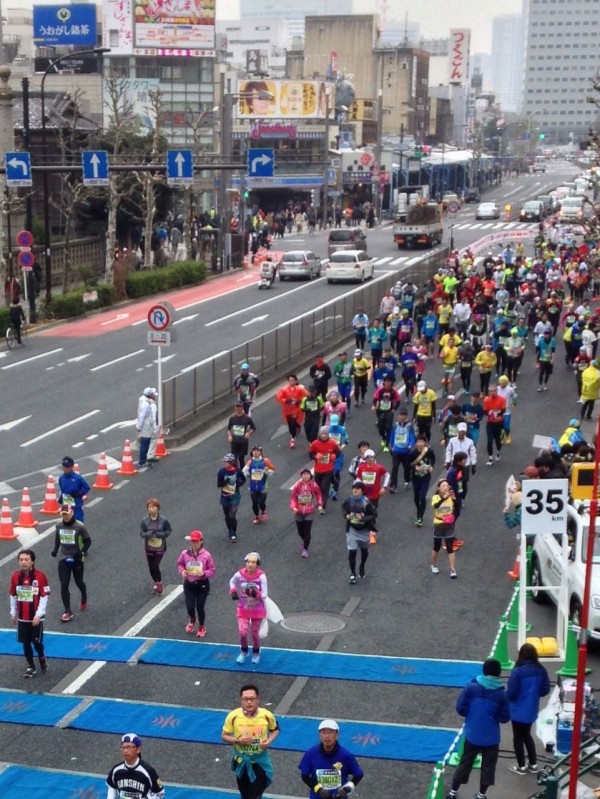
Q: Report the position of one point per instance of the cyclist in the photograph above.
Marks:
(16, 316)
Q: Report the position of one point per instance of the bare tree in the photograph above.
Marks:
(151, 179)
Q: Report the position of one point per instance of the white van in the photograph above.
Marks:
(350, 265)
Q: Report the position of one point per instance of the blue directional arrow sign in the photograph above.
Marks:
(95, 167)
(260, 163)
(180, 167)
(18, 169)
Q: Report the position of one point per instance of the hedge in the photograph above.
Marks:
(156, 281)
(4, 320)
(66, 306)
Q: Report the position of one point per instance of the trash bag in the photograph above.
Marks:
(583, 792)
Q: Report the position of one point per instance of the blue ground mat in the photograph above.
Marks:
(367, 739)
(198, 725)
(17, 782)
(221, 657)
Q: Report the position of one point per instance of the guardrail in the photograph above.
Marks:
(188, 393)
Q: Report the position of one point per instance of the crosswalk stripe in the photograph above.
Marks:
(489, 225)
(509, 225)
(382, 261)
(414, 260)
(499, 225)
(399, 260)
(462, 227)
(475, 226)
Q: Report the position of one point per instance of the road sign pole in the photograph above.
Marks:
(159, 387)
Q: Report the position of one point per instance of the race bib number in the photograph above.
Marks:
(228, 489)
(354, 519)
(385, 405)
(304, 499)
(25, 593)
(368, 478)
(156, 543)
(194, 568)
(238, 430)
(329, 778)
(66, 536)
(325, 457)
(256, 475)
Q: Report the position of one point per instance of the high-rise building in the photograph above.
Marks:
(507, 60)
(562, 57)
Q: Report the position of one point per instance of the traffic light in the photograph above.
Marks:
(542, 136)
(246, 194)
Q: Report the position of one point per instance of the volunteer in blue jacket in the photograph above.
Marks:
(402, 440)
(528, 682)
(73, 489)
(483, 704)
(329, 770)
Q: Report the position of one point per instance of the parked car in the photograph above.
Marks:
(532, 211)
(487, 211)
(350, 265)
(299, 263)
(346, 238)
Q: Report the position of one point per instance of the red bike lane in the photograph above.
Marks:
(124, 315)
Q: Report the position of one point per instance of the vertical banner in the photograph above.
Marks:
(458, 56)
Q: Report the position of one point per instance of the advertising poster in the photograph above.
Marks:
(458, 63)
(184, 24)
(117, 26)
(282, 99)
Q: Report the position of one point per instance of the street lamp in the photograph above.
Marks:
(45, 184)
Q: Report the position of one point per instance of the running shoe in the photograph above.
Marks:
(539, 388)
(159, 588)
(304, 553)
(532, 768)
(453, 574)
(372, 537)
(521, 770)
(30, 671)
(406, 485)
(497, 456)
(233, 538)
(361, 574)
(82, 605)
(256, 658)
(201, 632)
(418, 522)
(292, 443)
(241, 658)
(545, 388)
(67, 616)
(256, 520)
(392, 489)
(458, 543)
(44, 667)
(322, 511)
(435, 570)
(263, 516)
(490, 460)
(352, 579)
(189, 628)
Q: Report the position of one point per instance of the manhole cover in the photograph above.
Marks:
(313, 623)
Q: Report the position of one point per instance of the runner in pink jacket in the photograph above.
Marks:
(305, 498)
(248, 587)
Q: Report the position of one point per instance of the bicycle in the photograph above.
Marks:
(11, 336)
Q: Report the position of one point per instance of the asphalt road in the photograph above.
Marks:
(400, 609)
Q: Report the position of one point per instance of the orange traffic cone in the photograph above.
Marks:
(161, 450)
(515, 572)
(102, 478)
(51, 506)
(26, 513)
(127, 466)
(6, 526)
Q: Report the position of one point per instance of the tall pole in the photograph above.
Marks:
(378, 195)
(45, 181)
(325, 200)
(27, 276)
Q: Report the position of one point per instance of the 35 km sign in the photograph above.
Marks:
(544, 508)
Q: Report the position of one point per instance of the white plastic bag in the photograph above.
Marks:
(263, 630)
(273, 612)
(583, 792)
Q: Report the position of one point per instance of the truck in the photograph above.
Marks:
(423, 227)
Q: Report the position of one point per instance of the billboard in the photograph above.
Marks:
(133, 97)
(458, 56)
(180, 24)
(55, 26)
(284, 99)
(117, 26)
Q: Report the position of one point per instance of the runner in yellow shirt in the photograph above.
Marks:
(424, 401)
(485, 361)
(449, 357)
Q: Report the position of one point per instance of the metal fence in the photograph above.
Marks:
(186, 394)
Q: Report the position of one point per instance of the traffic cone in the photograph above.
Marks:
(51, 506)
(102, 478)
(161, 450)
(571, 655)
(436, 786)
(515, 572)
(500, 651)
(7, 532)
(127, 466)
(513, 622)
(26, 513)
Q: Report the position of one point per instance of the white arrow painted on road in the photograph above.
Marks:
(117, 318)
(179, 160)
(95, 162)
(165, 358)
(15, 162)
(77, 358)
(10, 425)
(261, 159)
(185, 319)
(118, 425)
(255, 319)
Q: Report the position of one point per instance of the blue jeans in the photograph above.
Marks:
(144, 447)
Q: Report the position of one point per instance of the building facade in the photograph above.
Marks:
(561, 59)
(507, 60)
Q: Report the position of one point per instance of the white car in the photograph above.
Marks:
(547, 566)
(487, 211)
(350, 265)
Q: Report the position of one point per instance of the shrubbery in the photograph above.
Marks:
(66, 306)
(155, 281)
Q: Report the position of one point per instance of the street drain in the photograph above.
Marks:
(313, 623)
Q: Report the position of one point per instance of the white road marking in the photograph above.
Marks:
(475, 226)
(77, 358)
(59, 428)
(462, 227)
(509, 225)
(488, 225)
(118, 425)
(163, 359)
(264, 302)
(399, 260)
(255, 319)
(186, 318)
(514, 191)
(136, 628)
(118, 318)
(116, 360)
(93, 502)
(29, 360)
(92, 437)
(38, 537)
(499, 225)
(382, 261)
(14, 423)
(201, 363)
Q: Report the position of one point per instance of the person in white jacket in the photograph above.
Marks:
(146, 424)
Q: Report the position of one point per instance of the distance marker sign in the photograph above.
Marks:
(544, 508)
